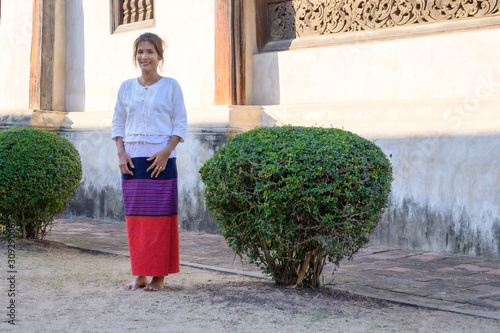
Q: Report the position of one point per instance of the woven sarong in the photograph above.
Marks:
(151, 216)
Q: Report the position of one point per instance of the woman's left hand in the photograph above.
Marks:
(160, 162)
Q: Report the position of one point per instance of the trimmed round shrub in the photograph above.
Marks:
(291, 198)
(39, 172)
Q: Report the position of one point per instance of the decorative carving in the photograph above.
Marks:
(299, 18)
(282, 21)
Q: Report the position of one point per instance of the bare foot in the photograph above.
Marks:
(156, 284)
(138, 282)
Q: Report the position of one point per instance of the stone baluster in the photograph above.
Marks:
(126, 12)
(134, 12)
(149, 9)
(142, 10)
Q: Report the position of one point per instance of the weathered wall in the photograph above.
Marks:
(431, 102)
(99, 195)
(446, 194)
(203, 141)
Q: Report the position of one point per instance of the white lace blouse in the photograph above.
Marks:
(149, 114)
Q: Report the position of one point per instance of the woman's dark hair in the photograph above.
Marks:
(158, 43)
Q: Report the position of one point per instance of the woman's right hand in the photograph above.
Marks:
(125, 161)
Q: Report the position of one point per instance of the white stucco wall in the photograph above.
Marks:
(448, 65)
(15, 43)
(97, 61)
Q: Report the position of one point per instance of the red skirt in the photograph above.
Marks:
(151, 217)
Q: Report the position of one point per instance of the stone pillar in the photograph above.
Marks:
(48, 65)
(59, 82)
(229, 53)
(224, 81)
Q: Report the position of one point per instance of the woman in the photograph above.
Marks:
(148, 123)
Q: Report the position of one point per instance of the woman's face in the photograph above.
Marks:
(146, 56)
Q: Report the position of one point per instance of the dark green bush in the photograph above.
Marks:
(291, 198)
(39, 172)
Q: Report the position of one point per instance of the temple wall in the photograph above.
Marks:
(427, 94)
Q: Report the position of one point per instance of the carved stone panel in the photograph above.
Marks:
(281, 21)
(300, 18)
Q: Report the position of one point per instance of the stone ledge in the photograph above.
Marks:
(47, 120)
(15, 118)
(396, 118)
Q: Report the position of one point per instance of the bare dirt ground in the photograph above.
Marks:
(59, 289)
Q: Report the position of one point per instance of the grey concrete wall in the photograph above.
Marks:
(15, 118)
(201, 144)
(445, 195)
(99, 193)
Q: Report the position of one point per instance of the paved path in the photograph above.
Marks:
(462, 284)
